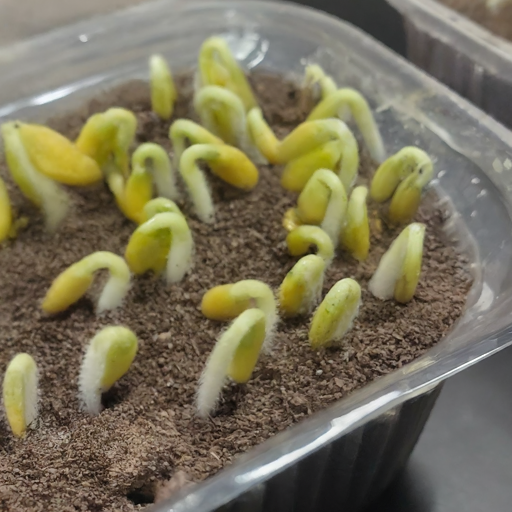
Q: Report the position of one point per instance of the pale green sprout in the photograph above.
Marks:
(235, 355)
(399, 269)
(301, 289)
(302, 238)
(227, 162)
(163, 90)
(159, 205)
(355, 233)
(20, 393)
(183, 130)
(323, 203)
(313, 145)
(108, 357)
(402, 176)
(336, 105)
(336, 314)
(41, 190)
(106, 137)
(318, 81)
(73, 283)
(162, 242)
(217, 66)
(227, 301)
(223, 114)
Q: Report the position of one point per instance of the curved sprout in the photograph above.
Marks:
(73, 283)
(323, 203)
(225, 302)
(235, 354)
(38, 188)
(107, 137)
(183, 130)
(399, 269)
(162, 242)
(302, 238)
(20, 393)
(355, 234)
(335, 315)
(5, 213)
(163, 90)
(326, 143)
(301, 289)
(160, 205)
(403, 176)
(315, 77)
(108, 357)
(222, 113)
(336, 105)
(57, 157)
(149, 163)
(226, 162)
(217, 66)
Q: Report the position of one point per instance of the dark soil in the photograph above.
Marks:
(149, 430)
(497, 21)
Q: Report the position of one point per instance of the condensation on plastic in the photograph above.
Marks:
(342, 456)
(459, 52)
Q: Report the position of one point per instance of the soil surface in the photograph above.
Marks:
(497, 20)
(148, 432)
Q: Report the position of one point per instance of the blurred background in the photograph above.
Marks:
(463, 462)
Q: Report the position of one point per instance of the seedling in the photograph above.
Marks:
(108, 357)
(73, 283)
(302, 238)
(217, 66)
(163, 91)
(57, 157)
(162, 242)
(322, 202)
(227, 301)
(337, 104)
(355, 234)
(149, 162)
(319, 82)
(35, 186)
(335, 315)
(322, 144)
(301, 289)
(403, 176)
(183, 130)
(235, 355)
(107, 137)
(399, 269)
(159, 205)
(5, 212)
(226, 162)
(20, 393)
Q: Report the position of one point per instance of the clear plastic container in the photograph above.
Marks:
(459, 52)
(343, 456)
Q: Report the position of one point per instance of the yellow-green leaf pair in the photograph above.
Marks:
(150, 163)
(313, 145)
(38, 159)
(402, 178)
(108, 357)
(163, 90)
(399, 269)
